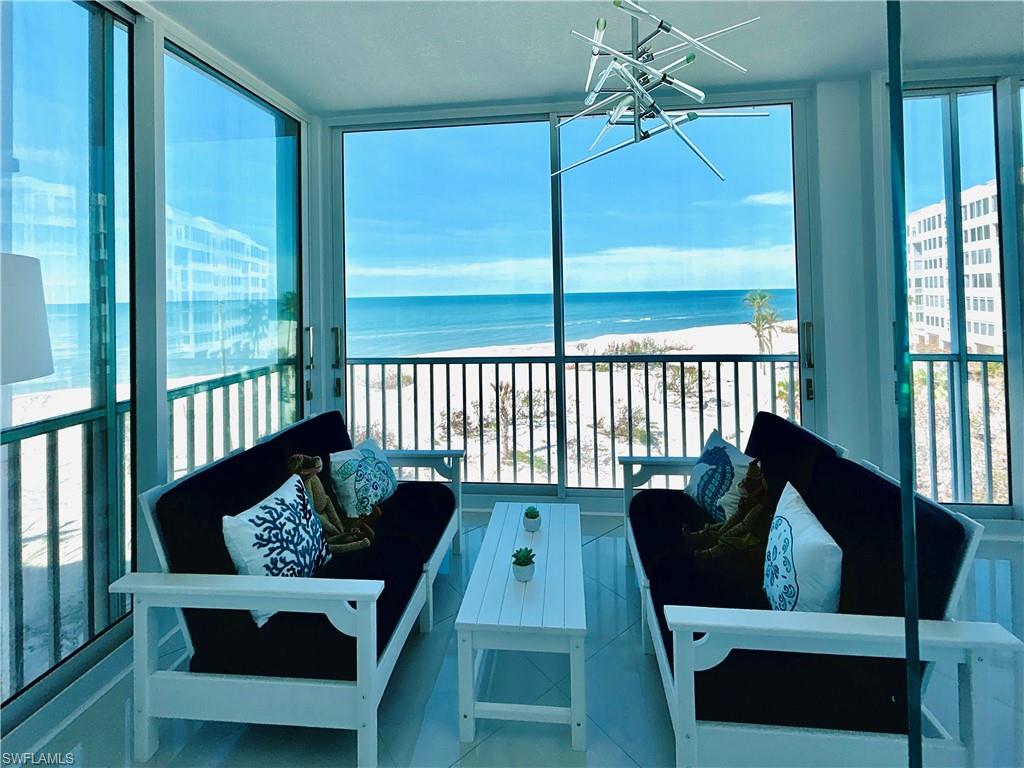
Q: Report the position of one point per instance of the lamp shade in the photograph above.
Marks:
(24, 330)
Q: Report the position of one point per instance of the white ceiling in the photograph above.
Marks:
(332, 57)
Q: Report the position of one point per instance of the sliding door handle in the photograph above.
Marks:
(310, 341)
(336, 333)
(808, 340)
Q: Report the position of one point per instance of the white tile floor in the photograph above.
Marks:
(628, 719)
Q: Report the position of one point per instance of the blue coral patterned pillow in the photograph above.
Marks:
(715, 481)
(280, 536)
(802, 563)
(362, 477)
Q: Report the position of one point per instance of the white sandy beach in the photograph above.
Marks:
(736, 339)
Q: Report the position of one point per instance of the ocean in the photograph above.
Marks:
(398, 327)
(405, 326)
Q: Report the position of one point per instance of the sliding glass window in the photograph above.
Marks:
(233, 245)
(64, 204)
(680, 287)
(955, 287)
(448, 286)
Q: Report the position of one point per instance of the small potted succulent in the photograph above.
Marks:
(531, 519)
(523, 564)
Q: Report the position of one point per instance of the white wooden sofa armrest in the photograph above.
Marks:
(968, 644)
(194, 590)
(445, 461)
(828, 633)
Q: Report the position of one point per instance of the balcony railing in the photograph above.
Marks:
(504, 412)
(949, 468)
(63, 541)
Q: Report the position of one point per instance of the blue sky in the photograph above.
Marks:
(466, 210)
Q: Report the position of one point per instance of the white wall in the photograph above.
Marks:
(846, 266)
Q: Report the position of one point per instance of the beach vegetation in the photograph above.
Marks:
(766, 321)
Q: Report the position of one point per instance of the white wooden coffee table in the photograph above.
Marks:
(547, 613)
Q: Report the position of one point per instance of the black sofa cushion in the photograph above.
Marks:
(308, 645)
(861, 511)
(768, 688)
(418, 511)
(658, 517)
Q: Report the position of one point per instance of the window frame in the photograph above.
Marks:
(809, 310)
(961, 479)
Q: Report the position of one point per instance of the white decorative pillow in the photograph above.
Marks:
(715, 482)
(802, 563)
(280, 536)
(362, 477)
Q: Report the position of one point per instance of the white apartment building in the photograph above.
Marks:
(928, 272)
(215, 275)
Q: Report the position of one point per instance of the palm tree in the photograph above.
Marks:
(257, 321)
(766, 321)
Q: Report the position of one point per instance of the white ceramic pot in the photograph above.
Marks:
(531, 524)
(523, 572)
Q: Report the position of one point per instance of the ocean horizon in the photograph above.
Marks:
(385, 326)
(409, 326)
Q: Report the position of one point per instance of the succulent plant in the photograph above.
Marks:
(522, 556)
(532, 513)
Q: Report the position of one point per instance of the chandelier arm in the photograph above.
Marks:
(674, 125)
(637, 12)
(685, 88)
(602, 153)
(704, 38)
(592, 108)
(599, 28)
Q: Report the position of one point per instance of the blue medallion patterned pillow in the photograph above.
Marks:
(715, 481)
(802, 563)
(362, 477)
(280, 536)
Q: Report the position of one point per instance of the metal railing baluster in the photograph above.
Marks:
(416, 408)
(243, 438)
(718, 396)
(647, 406)
(529, 406)
(480, 417)
(956, 459)
(593, 412)
(629, 405)
(209, 425)
(433, 406)
(190, 433)
(53, 542)
(16, 594)
(398, 384)
(774, 388)
(497, 418)
(986, 431)
(383, 407)
(736, 401)
(579, 434)
(611, 419)
(682, 403)
(448, 401)
(366, 397)
(226, 418)
(930, 389)
(792, 387)
(255, 397)
(664, 407)
(465, 426)
(514, 426)
(547, 413)
(267, 394)
(700, 400)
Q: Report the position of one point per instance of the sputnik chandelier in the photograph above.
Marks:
(626, 86)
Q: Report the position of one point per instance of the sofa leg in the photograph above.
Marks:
(646, 641)
(427, 612)
(146, 652)
(366, 742)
